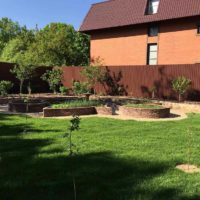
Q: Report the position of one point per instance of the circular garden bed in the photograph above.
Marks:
(32, 106)
(77, 107)
(145, 111)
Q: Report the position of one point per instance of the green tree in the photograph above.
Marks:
(81, 50)
(18, 46)
(181, 85)
(94, 74)
(59, 44)
(24, 71)
(53, 78)
(8, 31)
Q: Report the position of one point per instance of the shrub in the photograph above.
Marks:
(53, 78)
(180, 85)
(94, 74)
(5, 87)
(80, 88)
(64, 90)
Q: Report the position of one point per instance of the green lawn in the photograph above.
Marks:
(117, 160)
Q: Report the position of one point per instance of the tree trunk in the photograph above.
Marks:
(179, 97)
(21, 86)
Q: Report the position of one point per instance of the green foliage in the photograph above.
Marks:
(181, 85)
(53, 78)
(5, 87)
(78, 103)
(18, 47)
(94, 74)
(8, 31)
(80, 87)
(117, 159)
(57, 44)
(23, 71)
(64, 90)
(74, 126)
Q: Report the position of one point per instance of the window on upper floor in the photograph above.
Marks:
(153, 30)
(198, 29)
(152, 7)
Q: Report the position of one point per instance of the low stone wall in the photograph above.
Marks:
(188, 107)
(31, 107)
(105, 110)
(48, 98)
(60, 112)
(145, 113)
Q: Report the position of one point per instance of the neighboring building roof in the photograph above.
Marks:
(117, 13)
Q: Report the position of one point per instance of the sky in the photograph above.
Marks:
(42, 12)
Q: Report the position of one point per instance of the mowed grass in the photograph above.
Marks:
(116, 160)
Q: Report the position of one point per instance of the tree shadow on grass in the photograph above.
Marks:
(99, 176)
(28, 173)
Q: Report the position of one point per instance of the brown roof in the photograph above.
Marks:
(117, 13)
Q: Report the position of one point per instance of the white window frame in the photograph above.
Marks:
(153, 6)
(152, 54)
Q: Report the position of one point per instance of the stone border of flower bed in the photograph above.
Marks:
(145, 113)
(61, 112)
(34, 106)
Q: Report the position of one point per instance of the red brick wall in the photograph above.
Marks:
(178, 43)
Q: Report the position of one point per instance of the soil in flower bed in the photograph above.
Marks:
(145, 106)
(145, 111)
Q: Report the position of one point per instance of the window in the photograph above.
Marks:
(198, 29)
(152, 54)
(153, 31)
(152, 7)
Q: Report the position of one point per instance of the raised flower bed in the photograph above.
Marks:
(145, 111)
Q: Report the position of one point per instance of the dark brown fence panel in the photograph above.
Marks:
(122, 80)
(138, 80)
(37, 84)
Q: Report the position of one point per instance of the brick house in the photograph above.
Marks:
(144, 32)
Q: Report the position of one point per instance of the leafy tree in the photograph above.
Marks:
(94, 74)
(81, 50)
(23, 71)
(74, 126)
(59, 44)
(80, 87)
(8, 31)
(53, 78)
(180, 85)
(18, 46)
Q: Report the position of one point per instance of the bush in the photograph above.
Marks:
(180, 85)
(5, 87)
(64, 90)
(53, 78)
(80, 88)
